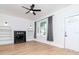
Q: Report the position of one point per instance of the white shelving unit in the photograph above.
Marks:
(5, 35)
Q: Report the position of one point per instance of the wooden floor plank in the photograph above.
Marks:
(34, 48)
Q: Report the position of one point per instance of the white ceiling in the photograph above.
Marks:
(17, 10)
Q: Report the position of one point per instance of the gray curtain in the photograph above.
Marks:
(50, 30)
(34, 29)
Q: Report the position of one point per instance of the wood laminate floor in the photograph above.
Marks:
(34, 48)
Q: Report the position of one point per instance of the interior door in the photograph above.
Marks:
(72, 33)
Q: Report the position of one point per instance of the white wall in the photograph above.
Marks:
(17, 23)
(58, 24)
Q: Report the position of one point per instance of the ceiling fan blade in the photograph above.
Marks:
(34, 13)
(27, 12)
(37, 10)
(25, 8)
(32, 6)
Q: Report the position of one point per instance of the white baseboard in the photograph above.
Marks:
(49, 43)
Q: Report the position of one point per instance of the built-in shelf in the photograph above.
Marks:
(5, 34)
(5, 39)
(5, 29)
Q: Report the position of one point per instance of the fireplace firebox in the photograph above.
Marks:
(19, 37)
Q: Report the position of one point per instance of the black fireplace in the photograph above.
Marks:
(19, 36)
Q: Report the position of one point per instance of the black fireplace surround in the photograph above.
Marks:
(19, 37)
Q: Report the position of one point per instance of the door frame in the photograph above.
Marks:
(65, 35)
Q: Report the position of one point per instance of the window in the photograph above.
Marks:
(43, 28)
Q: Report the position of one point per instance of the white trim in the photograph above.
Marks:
(49, 43)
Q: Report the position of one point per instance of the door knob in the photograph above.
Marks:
(65, 34)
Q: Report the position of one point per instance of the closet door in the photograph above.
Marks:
(72, 33)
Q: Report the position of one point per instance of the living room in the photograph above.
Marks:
(26, 27)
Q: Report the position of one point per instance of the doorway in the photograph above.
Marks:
(72, 33)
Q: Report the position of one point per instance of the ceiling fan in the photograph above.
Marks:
(31, 9)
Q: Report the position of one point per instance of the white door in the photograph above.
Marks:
(72, 33)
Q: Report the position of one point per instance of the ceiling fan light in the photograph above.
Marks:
(31, 11)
